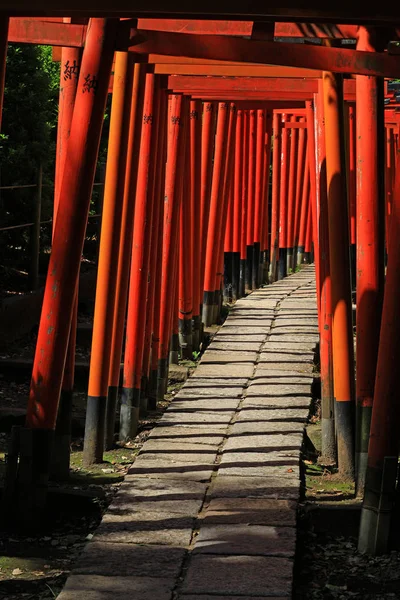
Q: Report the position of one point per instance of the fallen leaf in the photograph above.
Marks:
(16, 572)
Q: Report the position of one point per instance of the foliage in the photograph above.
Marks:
(28, 137)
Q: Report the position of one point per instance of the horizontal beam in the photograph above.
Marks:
(226, 70)
(316, 11)
(238, 49)
(251, 84)
(245, 28)
(35, 31)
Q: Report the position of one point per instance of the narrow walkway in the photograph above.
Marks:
(208, 510)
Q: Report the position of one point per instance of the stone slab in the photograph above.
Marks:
(244, 345)
(202, 434)
(97, 587)
(278, 389)
(187, 403)
(274, 414)
(183, 457)
(286, 368)
(215, 392)
(276, 376)
(244, 369)
(228, 329)
(239, 575)
(253, 465)
(279, 358)
(246, 540)
(156, 528)
(246, 428)
(228, 357)
(158, 495)
(225, 382)
(213, 597)
(251, 511)
(263, 443)
(273, 402)
(195, 416)
(226, 335)
(158, 469)
(128, 560)
(298, 340)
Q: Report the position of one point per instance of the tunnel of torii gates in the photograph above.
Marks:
(231, 156)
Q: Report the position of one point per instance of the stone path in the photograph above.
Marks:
(208, 509)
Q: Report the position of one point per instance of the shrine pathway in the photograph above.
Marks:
(208, 509)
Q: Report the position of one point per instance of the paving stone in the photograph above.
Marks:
(287, 368)
(259, 540)
(252, 511)
(262, 325)
(196, 416)
(278, 389)
(108, 559)
(158, 528)
(228, 357)
(282, 358)
(232, 346)
(97, 587)
(224, 382)
(298, 339)
(195, 403)
(157, 469)
(202, 434)
(274, 414)
(158, 495)
(252, 402)
(240, 575)
(264, 443)
(227, 370)
(226, 335)
(229, 391)
(268, 464)
(173, 456)
(301, 329)
(229, 329)
(262, 376)
(246, 428)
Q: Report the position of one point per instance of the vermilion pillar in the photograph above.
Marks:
(170, 239)
(283, 201)
(69, 236)
(342, 328)
(154, 196)
(300, 177)
(276, 158)
(251, 199)
(352, 189)
(245, 180)
(370, 248)
(185, 281)
(291, 201)
(69, 73)
(237, 205)
(195, 200)
(214, 228)
(108, 261)
(305, 199)
(207, 150)
(228, 249)
(138, 286)
(265, 225)
(383, 449)
(309, 235)
(125, 246)
(328, 450)
(226, 196)
(258, 196)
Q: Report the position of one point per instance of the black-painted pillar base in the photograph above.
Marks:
(255, 277)
(186, 338)
(307, 258)
(300, 255)
(242, 277)
(282, 264)
(196, 324)
(162, 378)
(235, 275)
(289, 260)
(94, 430)
(152, 396)
(227, 291)
(129, 415)
(111, 415)
(248, 284)
(208, 308)
(174, 349)
(344, 421)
